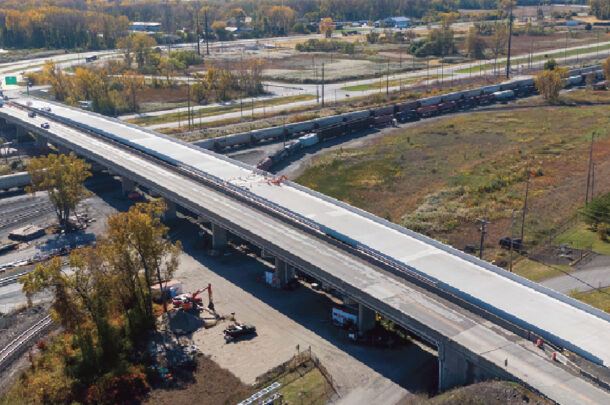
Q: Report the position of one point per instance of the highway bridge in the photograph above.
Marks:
(482, 319)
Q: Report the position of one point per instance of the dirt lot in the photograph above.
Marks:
(286, 319)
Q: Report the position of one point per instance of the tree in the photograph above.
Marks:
(220, 29)
(132, 82)
(600, 8)
(327, 27)
(550, 64)
(239, 15)
(498, 41)
(606, 68)
(138, 241)
(475, 45)
(62, 177)
(281, 17)
(549, 83)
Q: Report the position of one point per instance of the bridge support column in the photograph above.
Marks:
(96, 167)
(20, 132)
(366, 319)
(64, 150)
(455, 369)
(219, 237)
(41, 141)
(127, 185)
(170, 213)
(283, 272)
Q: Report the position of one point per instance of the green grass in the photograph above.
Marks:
(217, 110)
(537, 271)
(598, 299)
(557, 54)
(581, 237)
(438, 178)
(311, 388)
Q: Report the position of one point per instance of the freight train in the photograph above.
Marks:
(323, 129)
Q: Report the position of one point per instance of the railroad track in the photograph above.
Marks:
(21, 342)
(24, 213)
(11, 279)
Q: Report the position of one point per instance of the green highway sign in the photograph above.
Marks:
(10, 80)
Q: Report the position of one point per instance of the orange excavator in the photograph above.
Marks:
(190, 301)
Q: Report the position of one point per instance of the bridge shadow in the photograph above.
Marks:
(408, 365)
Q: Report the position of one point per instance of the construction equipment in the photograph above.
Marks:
(192, 300)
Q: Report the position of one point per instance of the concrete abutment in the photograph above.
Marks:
(219, 237)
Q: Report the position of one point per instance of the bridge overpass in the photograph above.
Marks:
(481, 318)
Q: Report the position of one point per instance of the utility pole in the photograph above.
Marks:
(565, 49)
(387, 80)
(510, 35)
(527, 188)
(593, 181)
(207, 45)
(483, 232)
(322, 84)
(197, 31)
(188, 96)
(589, 169)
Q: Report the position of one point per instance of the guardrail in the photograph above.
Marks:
(335, 238)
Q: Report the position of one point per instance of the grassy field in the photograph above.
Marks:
(381, 84)
(181, 116)
(305, 388)
(558, 54)
(536, 271)
(439, 177)
(598, 299)
(581, 237)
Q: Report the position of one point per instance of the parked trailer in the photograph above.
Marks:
(14, 180)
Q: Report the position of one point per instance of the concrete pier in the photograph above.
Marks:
(219, 237)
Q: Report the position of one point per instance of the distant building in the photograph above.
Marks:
(145, 27)
(393, 22)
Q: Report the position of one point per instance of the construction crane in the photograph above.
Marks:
(191, 300)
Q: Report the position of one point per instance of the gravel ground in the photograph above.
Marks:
(285, 319)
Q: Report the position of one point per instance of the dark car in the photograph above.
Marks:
(31, 114)
(237, 331)
(45, 125)
(505, 243)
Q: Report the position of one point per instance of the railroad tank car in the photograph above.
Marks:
(327, 121)
(429, 101)
(386, 110)
(576, 80)
(452, 96)
(490, 89)
(504, 95)
(410, 105)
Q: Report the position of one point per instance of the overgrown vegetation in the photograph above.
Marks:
(438, 178)
(321, 45)
(103, 301)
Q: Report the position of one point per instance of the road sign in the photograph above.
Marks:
(10, 80)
